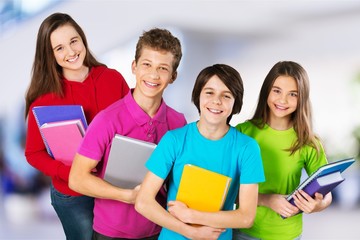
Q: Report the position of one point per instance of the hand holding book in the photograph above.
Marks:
(323, 180)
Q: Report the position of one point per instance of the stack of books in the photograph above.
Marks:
(323, 180)
(62, 128)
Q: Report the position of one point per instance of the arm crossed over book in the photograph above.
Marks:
(202, 189)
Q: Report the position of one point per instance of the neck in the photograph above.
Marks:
(148, 104)
(280, 124)
(77, 75)
(212, 132)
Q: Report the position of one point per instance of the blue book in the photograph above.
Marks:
(323, 180)
(56, 113)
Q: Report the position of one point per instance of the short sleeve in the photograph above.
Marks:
(163, 157)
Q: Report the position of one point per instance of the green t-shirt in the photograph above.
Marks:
(283, 174)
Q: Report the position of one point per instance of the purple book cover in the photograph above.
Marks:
(316, 186)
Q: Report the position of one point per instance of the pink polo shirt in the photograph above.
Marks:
(125, 117)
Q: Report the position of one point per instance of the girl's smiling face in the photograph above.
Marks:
(69, 49)
(283, 98)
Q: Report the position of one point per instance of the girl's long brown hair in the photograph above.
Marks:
(302, 117)
(46, 73)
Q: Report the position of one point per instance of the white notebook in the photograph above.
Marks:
(126, 164)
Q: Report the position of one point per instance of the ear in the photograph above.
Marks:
(173, 77)
(133, 66)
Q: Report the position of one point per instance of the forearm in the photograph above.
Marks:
(153, 211)
(82, 180)
(42, 161)
(238, 218)
(266, 200)
(93, 186)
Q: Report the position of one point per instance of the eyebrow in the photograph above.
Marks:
(293, 91)
(76, 37)
(211, 88)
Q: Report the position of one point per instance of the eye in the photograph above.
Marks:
(163, 69)
(293, 94)
(275, 90)
(228, 96)
(58, 49)
(73, 41)
(208, 92)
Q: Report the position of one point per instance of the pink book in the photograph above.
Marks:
(63, 138)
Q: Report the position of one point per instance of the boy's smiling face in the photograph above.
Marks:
(153, 72)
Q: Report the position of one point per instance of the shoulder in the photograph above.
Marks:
(48, 99)
(242, 138)
(175, 119)
(179, 132)
(103, 72)
(242, 127)
(172, 112)
(116, 107)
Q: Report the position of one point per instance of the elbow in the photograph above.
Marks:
(246, 222)
(142, 205)
(139, 205)
(73, 183)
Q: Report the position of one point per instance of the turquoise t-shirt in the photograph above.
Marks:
(235, 155)
(283, 175)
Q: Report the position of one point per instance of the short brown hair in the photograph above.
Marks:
(229, 76)
(160, 40)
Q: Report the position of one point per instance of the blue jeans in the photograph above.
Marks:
(237, 235)
(75, 214)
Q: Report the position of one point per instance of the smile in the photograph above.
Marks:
(215, 110)
(280, 107)
(151, 84)
(73, 59)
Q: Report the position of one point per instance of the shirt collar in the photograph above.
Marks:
(139, 115)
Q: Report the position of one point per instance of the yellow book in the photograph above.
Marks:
(202, 189)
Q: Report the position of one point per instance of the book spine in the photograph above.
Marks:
(42, 135)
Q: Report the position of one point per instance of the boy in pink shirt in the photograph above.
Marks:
(141, 114)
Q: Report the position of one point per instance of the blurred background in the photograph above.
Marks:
(323, 36)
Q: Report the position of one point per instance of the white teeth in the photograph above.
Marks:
(214, 110)
(151, 84)
(73, 59)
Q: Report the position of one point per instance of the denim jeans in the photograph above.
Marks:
(237, 235)
(75, 214)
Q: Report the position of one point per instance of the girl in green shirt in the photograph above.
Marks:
(282, 126)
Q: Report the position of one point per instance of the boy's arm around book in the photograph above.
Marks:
(242, 217)
(83, 180)
(151, 209)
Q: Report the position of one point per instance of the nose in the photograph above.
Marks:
(154, 73)
(283, 98)
(70, 51)
(217, 100)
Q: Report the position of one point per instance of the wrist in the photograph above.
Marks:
(64, 172)
(262, 199)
